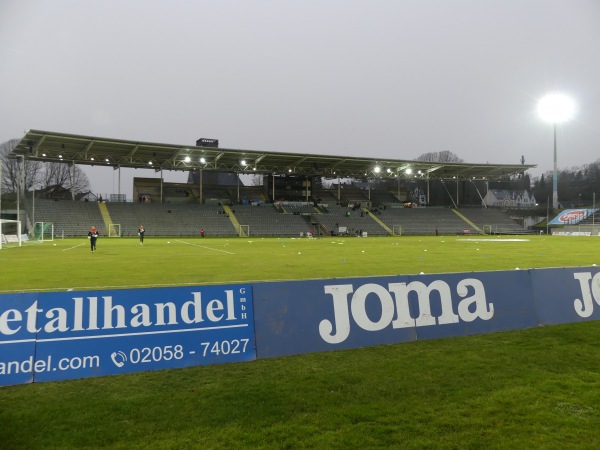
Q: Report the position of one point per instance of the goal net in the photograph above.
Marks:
(114, 230)
(43, 231)
(487, 229)
(397, 230)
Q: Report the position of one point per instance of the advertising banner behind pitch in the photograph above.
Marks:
(81, 334)
(311, 316)
(566, 295)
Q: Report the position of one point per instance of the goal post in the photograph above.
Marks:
(487, 229)
(397, 230)
(10, 226)
(244, 230)
(43, 231)
(114, 230)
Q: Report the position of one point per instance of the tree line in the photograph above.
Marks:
(50, 179)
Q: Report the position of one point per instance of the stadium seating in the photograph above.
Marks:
(289, 219)
(424, 221)
(69, 218)
(499, 220)
(171, 219)
(267, 221)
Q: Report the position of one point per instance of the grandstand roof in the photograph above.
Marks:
(70, 148)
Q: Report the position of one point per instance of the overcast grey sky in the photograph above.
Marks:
(383, 78)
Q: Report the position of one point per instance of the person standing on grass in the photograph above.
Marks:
(202, 232)
(141, 231)
(92, 236)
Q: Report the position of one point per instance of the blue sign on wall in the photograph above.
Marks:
(81, 334)
(57, 336)
(566, 295)
(311, 316)
(572, 216)
(17, 339)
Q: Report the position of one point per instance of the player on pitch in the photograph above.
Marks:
(92, 236)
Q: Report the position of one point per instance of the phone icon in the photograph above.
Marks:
(118, 358)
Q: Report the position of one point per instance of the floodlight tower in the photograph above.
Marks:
(555, 108)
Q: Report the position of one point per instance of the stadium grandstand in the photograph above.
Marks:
(298, 194)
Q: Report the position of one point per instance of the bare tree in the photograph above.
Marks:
(59, 178)
(445, 156)
(55, 178)
(11, 167)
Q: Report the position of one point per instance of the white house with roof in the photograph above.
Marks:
(502, 198)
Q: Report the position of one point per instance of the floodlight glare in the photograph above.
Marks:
(556, 108)
(243, 162)
(187, 159)
(377, 169)
(202, 160)
(408, 171)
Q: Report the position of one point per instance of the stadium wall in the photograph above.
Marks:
(65, 335)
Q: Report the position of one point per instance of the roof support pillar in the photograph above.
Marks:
(457, 200)
(73, 180)
(200, 171)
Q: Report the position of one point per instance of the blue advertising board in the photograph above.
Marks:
(320, 315)
(572, 216)
(17, 339)
(566, 295)
(91, 333)
(65, 335)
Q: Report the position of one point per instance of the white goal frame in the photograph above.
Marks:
(396, 230)
(3, 238)
(244, 230)
(487, 229)
(47, 231)
(114, 230)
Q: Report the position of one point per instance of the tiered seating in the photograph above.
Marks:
(266, 221)
(300, 208)
(171, 220)
(337, 216)
(424, 221)
(498, 219)
(70, 218)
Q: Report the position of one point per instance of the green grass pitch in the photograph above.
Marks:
(536, 388)
(124, 263)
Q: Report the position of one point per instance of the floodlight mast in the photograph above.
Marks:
(555, 108)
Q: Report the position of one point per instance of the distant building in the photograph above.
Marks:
(502, 198)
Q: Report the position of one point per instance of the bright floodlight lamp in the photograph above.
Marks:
(377, 169)
(555, 108)
(187, 159)
(408, 171)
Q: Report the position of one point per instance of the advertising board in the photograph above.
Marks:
(321, 315)
(92, 333)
